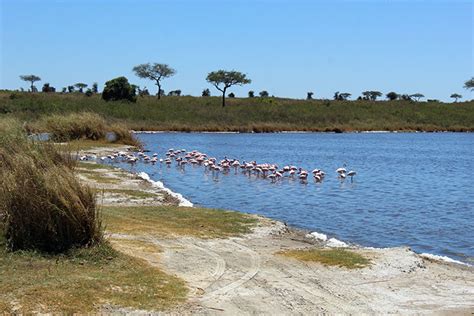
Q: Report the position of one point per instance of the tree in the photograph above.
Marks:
(47, 88)
(344, 96)
(70, 89)
(251, 94)
(417, 96)
(64, 90)
(175, 93)
(95, 88)
(456, 96)
(371, 95)
(143, 92)
(392, 96)
(469, 84)
(206, 93)
(406, 97)
(263, 94)
(80, 86)
(223, 80)
(336, 95)
(309, 95)
(119, 89)
(32, 79)
(155, 72)
(89, 93)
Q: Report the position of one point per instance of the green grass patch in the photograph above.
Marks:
(173, 220)
(93, 166)
(330, 257)
(99, 178)
(134, 194)
(82, 280)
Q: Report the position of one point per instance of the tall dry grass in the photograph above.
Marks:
(43, 206)
(82, 125)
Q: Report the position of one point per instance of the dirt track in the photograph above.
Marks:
(244, 276)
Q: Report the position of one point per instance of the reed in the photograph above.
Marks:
(43, 206)
(82, 126)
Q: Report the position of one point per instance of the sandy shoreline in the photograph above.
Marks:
(243, 275)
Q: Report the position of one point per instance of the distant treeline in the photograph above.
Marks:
(220, 79)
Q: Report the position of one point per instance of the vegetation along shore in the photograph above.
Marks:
(262, 114)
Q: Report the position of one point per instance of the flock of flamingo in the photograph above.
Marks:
(181, 158)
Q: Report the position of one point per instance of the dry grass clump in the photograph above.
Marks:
(44, 206)
(83, 125)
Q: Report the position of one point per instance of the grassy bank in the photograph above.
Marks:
(83, 281)
(248, 114)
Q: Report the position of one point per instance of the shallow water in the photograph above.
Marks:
(413, 189)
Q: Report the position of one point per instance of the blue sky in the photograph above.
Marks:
(286, 47)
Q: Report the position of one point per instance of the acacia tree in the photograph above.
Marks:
(456, 96)
(155, 72)
(371, 95)
(417, 96)
(344, 96)
(469, 84)
(223, 80)
(32, 79)
(80, 86)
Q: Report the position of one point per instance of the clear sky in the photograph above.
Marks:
(286, 47)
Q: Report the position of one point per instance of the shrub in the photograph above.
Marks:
(263, 94)
(118, 89)
(44, 206)
(206, 93)
(89, 93)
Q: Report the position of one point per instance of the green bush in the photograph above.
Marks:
(119, 89)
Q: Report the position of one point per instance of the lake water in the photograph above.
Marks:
(413, 189)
